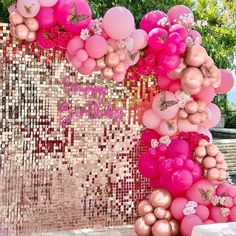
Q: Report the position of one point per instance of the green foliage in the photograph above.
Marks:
(231, 120)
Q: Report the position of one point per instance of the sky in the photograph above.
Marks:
(232, 93)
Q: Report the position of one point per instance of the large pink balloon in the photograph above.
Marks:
(186, 126)
(202, 212)
(188, 223)
(118, 23)
(214, 116)
(150, 20)
(28, 8)
(165, 105)
(207, 94)
(181, 180)
(96, 46)
(178, 148)
(151, 120)
(201, 192)
(74, 15)
(177, 207)
(46, 17)
(74, 45)
(227, 82)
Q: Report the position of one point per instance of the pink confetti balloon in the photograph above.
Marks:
(28, 8)
(46, 17)
(118, 23)
(227, 82)
(74, 15)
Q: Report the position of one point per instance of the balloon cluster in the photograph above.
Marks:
(212, 161)
(155, 218)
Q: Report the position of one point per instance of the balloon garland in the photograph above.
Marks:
(186, 169)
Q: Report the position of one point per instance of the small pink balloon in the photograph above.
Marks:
(120, 68)
(107, 73)
(112, 59)
(118, 23)
(196, 36)
(32, 24)
(157, 38)
(233, 213)
(144, 207)
(16, 18)
(90, 64)
(175, 86)
(209, 162)
(200, 151)
(213, 174)
(162, 228)
(186, 126)
(191, 107)
(82, 55)
(75, 62)
(203, 212)
(74, 45)
(47, 3)
(151, 120)
(160, 212)
(177, 207)
(188, 223)
(227, 82)
(96, 46)
(21, 31)
(140, 39)
(212, 150)
(180, 29)
(119, 77)
(206, 94)
(196, 56)
(28, 8)
(85, 71)
(150, 218)
(46, 17)
(217, 216)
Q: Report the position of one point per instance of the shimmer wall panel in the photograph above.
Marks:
(68, 143)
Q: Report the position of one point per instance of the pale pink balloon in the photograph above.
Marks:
(118, 23)
(151, 120)
(168, 128)
(209, 162)
(46, 17)
(160, 212)
(164, 111)
(150, 218)
(212, 150)
(188, 223)
(28, 8)
(203, 212)
(217, 216)
(48, 3)
(205, 132)
(186, 126)
(206, 94)
(16, 18)
(140, 39)
(82, 55)
(74, 45)
(96, 46)
(214, 116)
(177, 207)
(227, 82)
(119, 77)
(196, 36)
(133, 58)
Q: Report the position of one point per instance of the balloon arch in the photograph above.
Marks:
(186, 170)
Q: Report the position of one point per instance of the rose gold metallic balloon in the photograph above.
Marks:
(209, 162)
(201, 106)
(141, 229)
(110, 48)
(195, 118)
(203, 142)
(112, 59)
(220, 157)
(191, 107)
(178, 71)
(32, 24)
(212, 150)
(16, 18)
(168, 215)
(206, 82)
(200, 151)
(182, 114)
(224, 165)
(120, 69)
(144, 207)
(122, 54)
(21, 32)
(150, 218)
(198, 159)
(213, 174)
(160, 198)
(162, 228)
(175, 227)
(101, 63)
(223, 175)
(31, 37)
(107, 73)
(196, 56)
(160, 212)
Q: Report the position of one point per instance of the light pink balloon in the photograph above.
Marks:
(177, 207)
(196, 36)
(96, 46)
(214, 116)
(118, 23)
(75, 62)
(133, 58)
(207, 94)
(46, 17)
(202, 212)
(119, 77)
(48, 3)
(186, 126)
(82, 55)
(28, 8)
(227, 82)
(188, 223)
(164, 111)
(205, 132)
(140, 39)
(151, 120)
(166, 129)
(74, 45)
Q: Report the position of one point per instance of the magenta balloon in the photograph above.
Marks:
(207, 94)
(196, 172)
(177, 207)
(180, 29)
(66, 13)
(164, 83)
(188, 223)
(175, 85)
(157, 38)
(178, 148)
(148, 165)
(196, 36)
(227, 82)
(201, 192)
(168, 62)
(182, 180)
(167, 165)
(217, 216)
(46, 17)
(147, 136)
(118, 23)
(150, 20)
(214, 116)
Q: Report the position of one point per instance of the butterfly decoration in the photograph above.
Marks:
(74, 18)
(171, 125)
(132, 56)
(28, 9)
(206, 195)
(164, 104)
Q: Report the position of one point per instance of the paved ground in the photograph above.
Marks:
(124, 231)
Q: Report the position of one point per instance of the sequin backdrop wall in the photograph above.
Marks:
(57, 178)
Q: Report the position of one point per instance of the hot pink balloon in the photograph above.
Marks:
(164, 83)
(168, 62)
(205, 132)
(118, 23)
(96, 46)
(43, 41)
(74, 45)
(140, 38)
(214, 116)
(196, 36)
(188, 223)
(197, 172)
(151, 19)
(151, 120)
(67, 9)
(227, 82)
(157, 38)
(186, 126)
(202, 212)
(147, 136)
(175, 86)
(217, 216)
(46, 17)
(181, 30)
(182, 180)
(28, 8)
(197, 192)
(177, 207)
(178, 148)
(47, 3)
(165, 112)
(207, 94)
